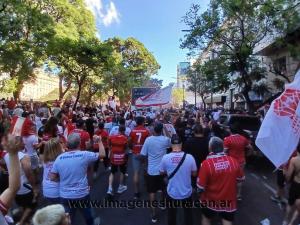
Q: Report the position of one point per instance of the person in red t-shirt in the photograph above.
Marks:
(118, 159)
(217, 183)
(11, 104)
(137, 139)
(84, 135)
(104, 136)
(235, 146)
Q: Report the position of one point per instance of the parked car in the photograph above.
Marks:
(248, 124)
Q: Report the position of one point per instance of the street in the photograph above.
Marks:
(255, 207)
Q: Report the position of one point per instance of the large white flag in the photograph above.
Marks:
(158, 98)
(279, 134)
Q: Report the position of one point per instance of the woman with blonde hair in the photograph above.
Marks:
(52, 150)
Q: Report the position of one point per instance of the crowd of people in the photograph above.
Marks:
(51, 154)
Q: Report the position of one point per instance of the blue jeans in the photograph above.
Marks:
(86, 212)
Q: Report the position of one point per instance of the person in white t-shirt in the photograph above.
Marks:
(154, 148)
(70, 169)
(180, 186)
(12, 146)
(31, 143)
(115, 129)
(52, 149)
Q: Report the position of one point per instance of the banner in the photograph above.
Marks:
(279, 134)
(138, 92)
(158, 98)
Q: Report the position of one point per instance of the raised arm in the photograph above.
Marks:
(12, 146)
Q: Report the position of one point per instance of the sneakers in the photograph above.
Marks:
(110, 191)
(121, 189)
(97, 221)
(239, 198)
(154, 219)
(278, 199)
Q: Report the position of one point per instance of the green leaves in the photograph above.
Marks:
(24, 34)
(231, 30)
(134, 65)
(60, 36)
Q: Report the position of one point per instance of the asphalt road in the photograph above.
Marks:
(255, 207)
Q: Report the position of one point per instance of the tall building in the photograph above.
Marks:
(182, 70)
(42, 86)
(278, 59)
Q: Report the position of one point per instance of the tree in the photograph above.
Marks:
(25, 30)
(232, 29)
(198, 83)
(153, 82)
(134, 65)
(80, 60)
(73, 23)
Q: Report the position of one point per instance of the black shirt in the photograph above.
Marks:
(198, 148)
(188, 133)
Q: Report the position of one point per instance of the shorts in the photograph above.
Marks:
(116, 168)
(155, 183)
(26, 200)
(209, 213)
(280, 179)
(34, 159)
(51, 201)
(136, 162)
(294, 193)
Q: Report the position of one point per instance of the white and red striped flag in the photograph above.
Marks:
(279, 134)
(158, 98)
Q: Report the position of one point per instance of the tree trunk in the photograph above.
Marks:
(248, 100)
(203, 101)
(60, 87)
(77, 97)
(62, 92)
(195, 98)
(16, 94)
(18, 90)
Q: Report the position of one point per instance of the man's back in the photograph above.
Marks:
(198, 148)
(296, 172)
(155, 147)
(235, 145)
(72, 170)
(138, 137)
(218, 177)
(179, 187)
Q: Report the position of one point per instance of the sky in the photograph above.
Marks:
(156, 23)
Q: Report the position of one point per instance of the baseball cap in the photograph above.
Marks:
(175, 140)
